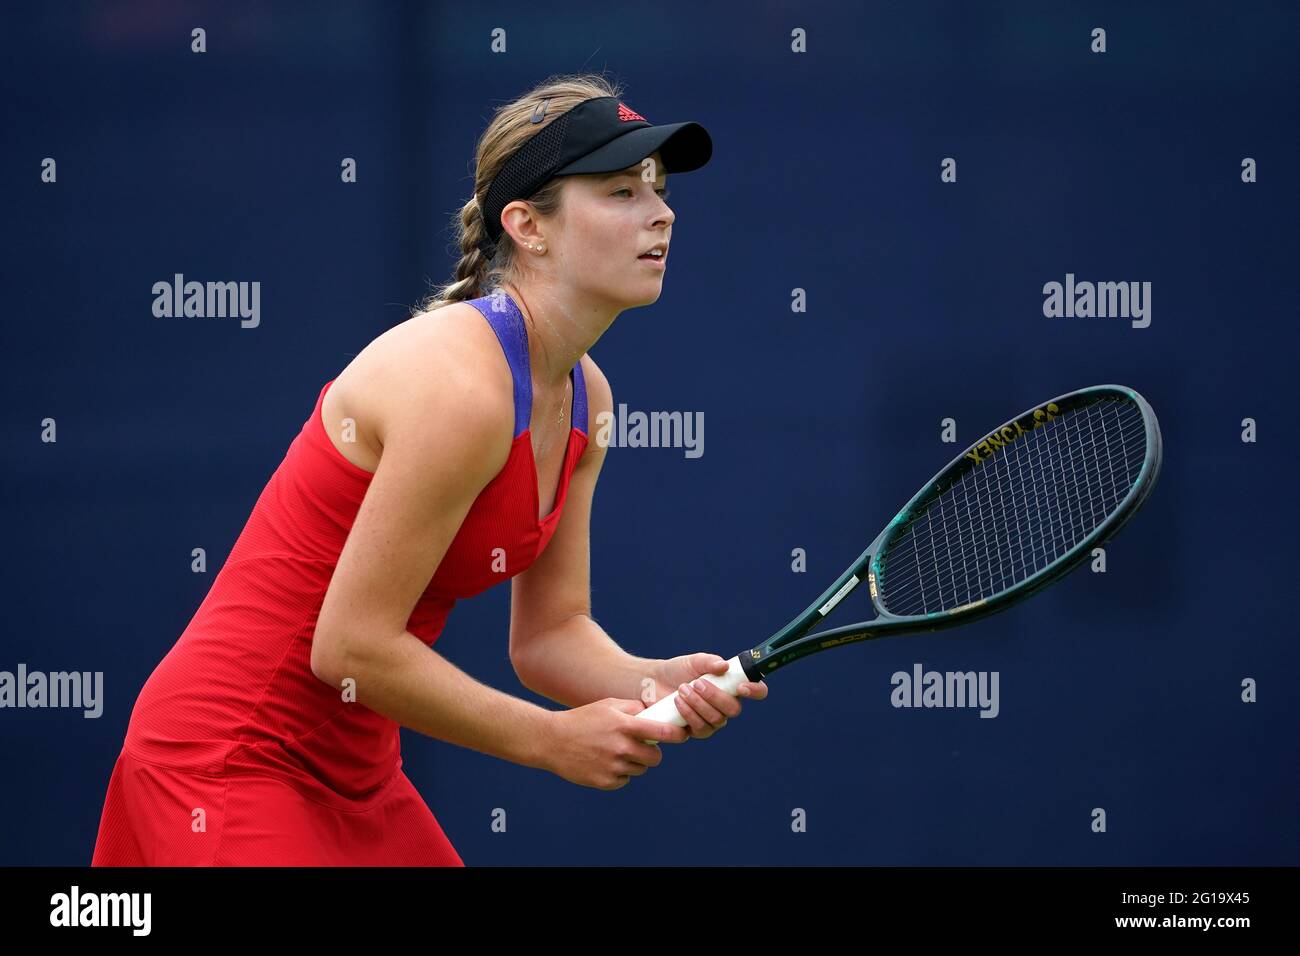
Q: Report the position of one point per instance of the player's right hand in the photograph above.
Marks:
(602, 744)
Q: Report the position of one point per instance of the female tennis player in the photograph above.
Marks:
(449, 455)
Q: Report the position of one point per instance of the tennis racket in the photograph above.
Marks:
(1012, 513)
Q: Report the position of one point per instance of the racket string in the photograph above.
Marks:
(1056, 470)
(1018, 569)
(1015, 514)
(973, 550)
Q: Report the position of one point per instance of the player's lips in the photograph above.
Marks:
(650, 255)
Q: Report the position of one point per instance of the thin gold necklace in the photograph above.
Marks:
(564, 400)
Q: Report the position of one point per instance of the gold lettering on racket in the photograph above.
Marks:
(837, 641)
(983, 450)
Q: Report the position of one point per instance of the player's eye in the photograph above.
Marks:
(662, 191)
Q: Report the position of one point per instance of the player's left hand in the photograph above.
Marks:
(705, 706)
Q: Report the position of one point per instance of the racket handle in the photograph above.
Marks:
(665, 711)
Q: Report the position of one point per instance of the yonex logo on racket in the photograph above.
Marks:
(1008, 433)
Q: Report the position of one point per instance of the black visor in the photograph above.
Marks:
(600, 135)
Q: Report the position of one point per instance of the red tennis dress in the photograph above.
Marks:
(236, 754)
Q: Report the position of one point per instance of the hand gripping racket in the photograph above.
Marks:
(1014, 512)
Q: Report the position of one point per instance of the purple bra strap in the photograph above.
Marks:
(504, 317)
(508, 324)
(580, 400)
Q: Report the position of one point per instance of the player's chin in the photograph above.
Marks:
(646, 292)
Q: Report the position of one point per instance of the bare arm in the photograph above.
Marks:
(576, 662)
(557, 648)
(445, 433)
(416, 686)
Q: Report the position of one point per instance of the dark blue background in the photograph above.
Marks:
(1119, 691)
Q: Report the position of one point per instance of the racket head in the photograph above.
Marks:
(1131, 437)
(1017, 509)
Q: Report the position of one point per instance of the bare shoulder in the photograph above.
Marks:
(444, 365)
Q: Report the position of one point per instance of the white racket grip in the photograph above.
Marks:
(665, 711)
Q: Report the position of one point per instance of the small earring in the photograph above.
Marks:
(541, 247)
